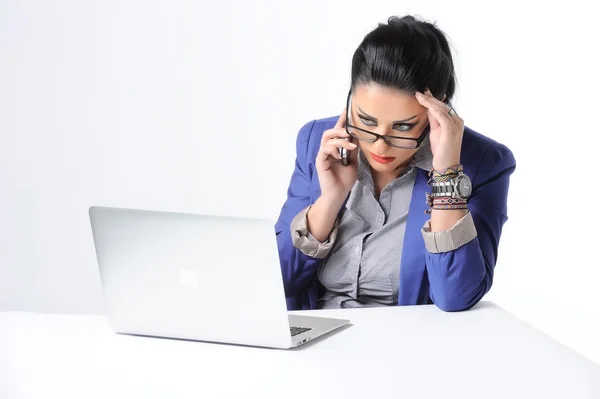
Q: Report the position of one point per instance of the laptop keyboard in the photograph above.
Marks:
(298, 330)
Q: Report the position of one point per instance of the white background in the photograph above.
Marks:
(194, 107)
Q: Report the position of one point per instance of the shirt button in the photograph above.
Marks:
(357, 250)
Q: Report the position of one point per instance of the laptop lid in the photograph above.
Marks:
(202, 277)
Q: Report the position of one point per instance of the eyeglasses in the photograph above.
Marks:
(371, 137)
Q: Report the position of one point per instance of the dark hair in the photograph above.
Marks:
(406, 54)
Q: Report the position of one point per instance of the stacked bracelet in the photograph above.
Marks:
(439, 180)
(444, 203)
(450, 173)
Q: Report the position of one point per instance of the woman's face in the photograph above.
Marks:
(387, 111)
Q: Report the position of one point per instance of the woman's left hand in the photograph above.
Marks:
(446, 131)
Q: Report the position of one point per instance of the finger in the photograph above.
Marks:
(324, 164)
(456, 118)
(442, 117)
(335, 133)
(436, 100)
(354, 156)
(331, 152)
(328, 152)
(429, 101)
(341, 143)
(335, 152)
(341, 120)
(442, 105)
(433, 122)
(435, 108)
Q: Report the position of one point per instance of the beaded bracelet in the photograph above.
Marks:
(450, 173)
(448, 201)
(450, 207)
(444, 203)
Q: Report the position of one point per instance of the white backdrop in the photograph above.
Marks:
(194, 107)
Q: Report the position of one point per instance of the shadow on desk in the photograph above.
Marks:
(479, 307)
(325, 337)
(306, 345)
(483, 305)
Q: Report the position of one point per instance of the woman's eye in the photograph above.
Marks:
(399, 127)
(403, 128)
(368, 122)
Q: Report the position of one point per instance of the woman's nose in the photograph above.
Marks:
(380, 146)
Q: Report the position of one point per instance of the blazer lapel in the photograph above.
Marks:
(413, 274)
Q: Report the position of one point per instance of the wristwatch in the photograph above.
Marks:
(458, 187)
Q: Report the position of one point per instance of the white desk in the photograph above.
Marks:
(398, 352)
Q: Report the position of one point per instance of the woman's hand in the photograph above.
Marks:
(335, 179)
(446, 131)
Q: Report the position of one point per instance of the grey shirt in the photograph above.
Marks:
(361, 265)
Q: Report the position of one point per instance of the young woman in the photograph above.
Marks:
(414, 214)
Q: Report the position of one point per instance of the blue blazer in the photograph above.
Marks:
(454, 280)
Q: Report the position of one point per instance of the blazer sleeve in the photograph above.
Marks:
(459, 278)
(297, 269)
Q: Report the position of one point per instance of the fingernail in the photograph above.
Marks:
(353, 145)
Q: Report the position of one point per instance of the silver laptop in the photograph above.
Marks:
(198, 277)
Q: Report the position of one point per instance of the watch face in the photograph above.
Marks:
(464, 186)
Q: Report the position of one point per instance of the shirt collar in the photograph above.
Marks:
(423, 158)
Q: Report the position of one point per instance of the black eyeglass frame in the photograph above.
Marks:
(388, 140)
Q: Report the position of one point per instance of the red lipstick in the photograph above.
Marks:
(381, 159)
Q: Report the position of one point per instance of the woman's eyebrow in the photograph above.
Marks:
(375, 119)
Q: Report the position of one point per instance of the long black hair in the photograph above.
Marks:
(406, 54)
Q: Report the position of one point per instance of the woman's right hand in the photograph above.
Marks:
(335, 179)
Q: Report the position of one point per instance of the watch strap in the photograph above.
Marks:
(443, 189)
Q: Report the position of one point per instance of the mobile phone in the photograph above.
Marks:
(344, 154)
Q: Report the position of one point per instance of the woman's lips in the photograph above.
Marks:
(381, 159)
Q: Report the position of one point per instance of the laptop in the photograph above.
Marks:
(197, 277)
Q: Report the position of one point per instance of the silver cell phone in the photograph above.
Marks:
(344, 152)
(344, 155)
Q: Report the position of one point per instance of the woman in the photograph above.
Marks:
(415, 216)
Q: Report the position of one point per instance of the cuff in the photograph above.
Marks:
(445, 241)
(305, 242)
